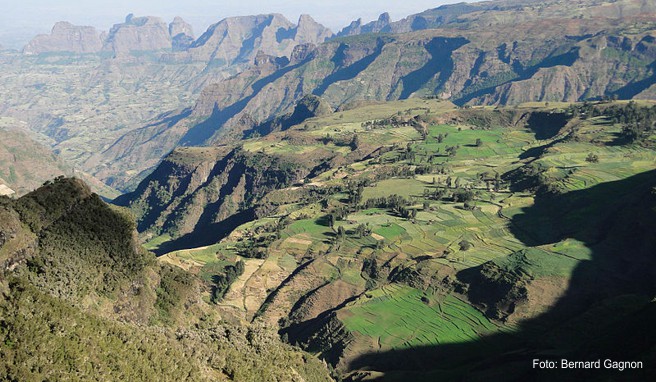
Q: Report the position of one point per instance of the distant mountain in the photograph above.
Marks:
(491, 13)
(66, 37)
(356, 27)
(182, 34)
(236, 40)
(138, 34)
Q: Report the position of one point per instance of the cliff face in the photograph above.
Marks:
(182, 34)
(66, 37)
(138, 34)
(237, 40)
(377, 26)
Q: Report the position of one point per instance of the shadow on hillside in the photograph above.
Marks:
(440, 50)
(351, 71)
(206, 234)
(200, 133)
(605, 313)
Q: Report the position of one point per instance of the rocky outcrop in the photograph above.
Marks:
(66, 37)
(310, 31)
(138, 34)
(238, 40)
(182, 34)
(377, 26)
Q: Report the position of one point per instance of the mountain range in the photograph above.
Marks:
(448, 196)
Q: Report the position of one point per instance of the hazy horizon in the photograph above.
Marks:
(19, 22)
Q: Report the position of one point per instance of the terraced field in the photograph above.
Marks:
(402, 317)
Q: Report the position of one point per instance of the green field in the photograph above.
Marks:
(398, 318)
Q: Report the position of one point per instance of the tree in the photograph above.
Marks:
(465, 245)
(341, 232)
(592, 158)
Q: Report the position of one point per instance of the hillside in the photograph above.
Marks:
(417, 237)
(81, 298)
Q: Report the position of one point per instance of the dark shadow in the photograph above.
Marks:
(285, 34)
(619, 140)
(546, 124)
(523, 73)
(351, 71)
(606, 312)
(207, 234)
(203, 131)
(537, 152)
(632, 89)
(440, 49)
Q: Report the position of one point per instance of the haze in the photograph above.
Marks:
(22, 20)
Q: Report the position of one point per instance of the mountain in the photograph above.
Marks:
(66, 37)
(452, 196)
(237, 40)
(378, 26)
(138, 34)
(182, 34)
(541, 53)
(77, 286)
(139, 74)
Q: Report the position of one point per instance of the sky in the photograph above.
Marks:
(20, 20)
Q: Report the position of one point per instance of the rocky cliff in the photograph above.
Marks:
(237, 40)
(377, 26)
(182, 34)
(66, 37)
(138, 34)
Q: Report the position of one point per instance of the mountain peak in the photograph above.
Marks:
(310, 31)
(380, 25)
(66, 37)
(182, 34)
(146, 33)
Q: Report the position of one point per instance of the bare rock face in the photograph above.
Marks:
(224, 43)
(182, 34)
(238, 40)
(66, 37)
(356, 27)
(310, 31)
(138, 34)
